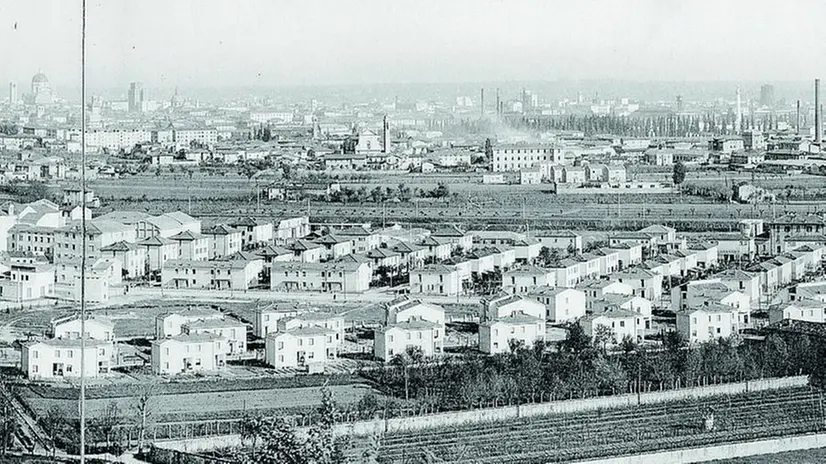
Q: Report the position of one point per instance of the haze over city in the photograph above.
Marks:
(277, 43)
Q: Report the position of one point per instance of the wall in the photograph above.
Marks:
(377, 426)
(728, 451)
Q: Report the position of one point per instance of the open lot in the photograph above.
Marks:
(230, 403)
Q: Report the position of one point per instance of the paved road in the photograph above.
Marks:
(372, 296)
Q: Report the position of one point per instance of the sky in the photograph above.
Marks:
(204, 43)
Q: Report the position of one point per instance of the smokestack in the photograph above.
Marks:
(498, 107)
(385, 135)
(482, 103)
(739, 113)
(797, 125)
(818, 123)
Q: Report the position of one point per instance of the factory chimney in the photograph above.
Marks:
(818, 122)
(739, 113)
(498, 107)
(482, 103)
(385, 135)
(797, 125)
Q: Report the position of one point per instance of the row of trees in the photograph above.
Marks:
(402, 193)
(667, 125)
(583, 366)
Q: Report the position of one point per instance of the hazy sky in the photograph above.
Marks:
(279, 42)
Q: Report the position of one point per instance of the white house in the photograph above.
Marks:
(707, 323)
(563, 304)
(267, 317)
(415, 332)
(59, 358)
(623, 323)
(343, 276)
(232, 330)
(188, 353)
(435, 279)
(496, 336)
(299, 348)
(25, 282)
(171, 324)
(521, 279)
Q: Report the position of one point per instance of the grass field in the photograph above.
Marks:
(206, 405)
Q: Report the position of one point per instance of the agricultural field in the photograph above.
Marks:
(601, 434)
(202, 400)
(471, 203)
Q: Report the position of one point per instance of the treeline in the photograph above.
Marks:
(581, 367)
(667, 125)
(378, 194)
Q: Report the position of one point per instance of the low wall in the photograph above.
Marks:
(378, 426)
(727, 451)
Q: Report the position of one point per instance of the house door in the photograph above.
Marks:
(299, 359)
(57, 369)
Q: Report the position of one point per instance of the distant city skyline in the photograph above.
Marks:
(284, 43)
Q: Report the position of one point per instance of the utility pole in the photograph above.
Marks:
(83, 236)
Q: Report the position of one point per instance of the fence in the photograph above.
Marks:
(192, 441)
(168, 456)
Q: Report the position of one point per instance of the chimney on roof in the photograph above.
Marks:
(818, 123)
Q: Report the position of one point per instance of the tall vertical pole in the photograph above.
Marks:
(797, 125)
(818, 123)
(482, 103)
(83, 238)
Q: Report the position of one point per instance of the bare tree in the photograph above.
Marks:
(144, 405)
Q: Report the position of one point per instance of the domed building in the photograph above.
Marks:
(41, 89)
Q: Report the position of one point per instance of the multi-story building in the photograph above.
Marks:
(267, 317)
(223, 240)
(707, 323)
(352, 277)
(300, 348)
(233, 330)
(59, 358)
(191, 245)
(132, 257)
(253, 231)
(233, 274)
(623, 323)
(188, 353)
(435, 279)
(24, 282)
(518, 157)
(68, 239)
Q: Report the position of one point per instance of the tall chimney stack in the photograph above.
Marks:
(797, 125)
(739, 123)
(818, 123)
(482, 103)
(498, 107)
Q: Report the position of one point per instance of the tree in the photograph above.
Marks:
(106, 423)
(488, 149)
(679, 172)
(144, 406)
(576, 340)
(441, 191)
(52, 422)
(603, 336)
(404, 193)
(281, 444)
(8, 425)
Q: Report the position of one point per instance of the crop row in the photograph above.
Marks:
(574, 431)
(605, 416)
